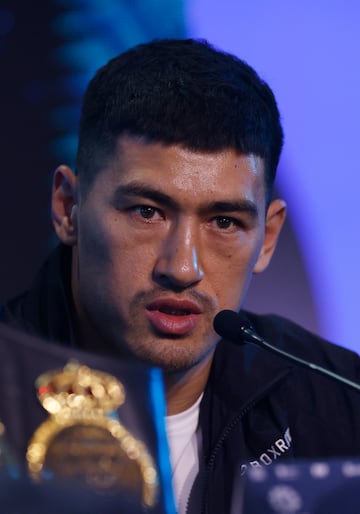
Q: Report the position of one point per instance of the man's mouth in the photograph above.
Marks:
(173, 317)
(174, 312)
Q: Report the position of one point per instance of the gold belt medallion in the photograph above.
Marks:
(83, 440)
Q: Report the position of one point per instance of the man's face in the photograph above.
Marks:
(166, 238)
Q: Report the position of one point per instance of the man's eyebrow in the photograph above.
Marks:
(229, 206)
(145, 191)
(221, 206)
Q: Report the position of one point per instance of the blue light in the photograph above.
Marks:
(94, 31)
(158, 408)
(7, 22)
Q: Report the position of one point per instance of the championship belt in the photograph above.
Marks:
(83, 440)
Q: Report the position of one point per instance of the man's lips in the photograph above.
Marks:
(173, 317)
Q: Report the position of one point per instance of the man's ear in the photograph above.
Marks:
(275, 218)
(64, 200)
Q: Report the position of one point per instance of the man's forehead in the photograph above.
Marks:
(131, 147)
(224, 171)
(141, 168)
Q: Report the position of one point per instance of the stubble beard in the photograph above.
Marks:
(131, 334)
(172, 353)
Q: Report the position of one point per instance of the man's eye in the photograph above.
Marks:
(225, 222)
(146, 211)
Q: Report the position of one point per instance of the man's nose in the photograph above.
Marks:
(178, 263)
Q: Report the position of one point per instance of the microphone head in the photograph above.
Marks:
(231, 325)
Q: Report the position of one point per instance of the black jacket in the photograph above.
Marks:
(256, 409)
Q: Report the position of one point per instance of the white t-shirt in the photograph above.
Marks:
(184, 452)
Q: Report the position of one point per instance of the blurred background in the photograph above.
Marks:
(309, 54)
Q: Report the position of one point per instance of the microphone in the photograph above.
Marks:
(236, 328)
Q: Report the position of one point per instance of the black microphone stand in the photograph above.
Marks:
(232, 325)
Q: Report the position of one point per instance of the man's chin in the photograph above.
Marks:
(176, 360)
(171, 365)
(172, 353)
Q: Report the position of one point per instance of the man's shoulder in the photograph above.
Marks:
(45, 309)
(241, 370)
(292, 337)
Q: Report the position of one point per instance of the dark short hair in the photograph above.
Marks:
(179, 91)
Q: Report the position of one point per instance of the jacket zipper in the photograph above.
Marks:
(227, 430)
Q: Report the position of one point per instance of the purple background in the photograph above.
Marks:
(309, 53)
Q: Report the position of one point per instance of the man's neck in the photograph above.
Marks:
(183, 389)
